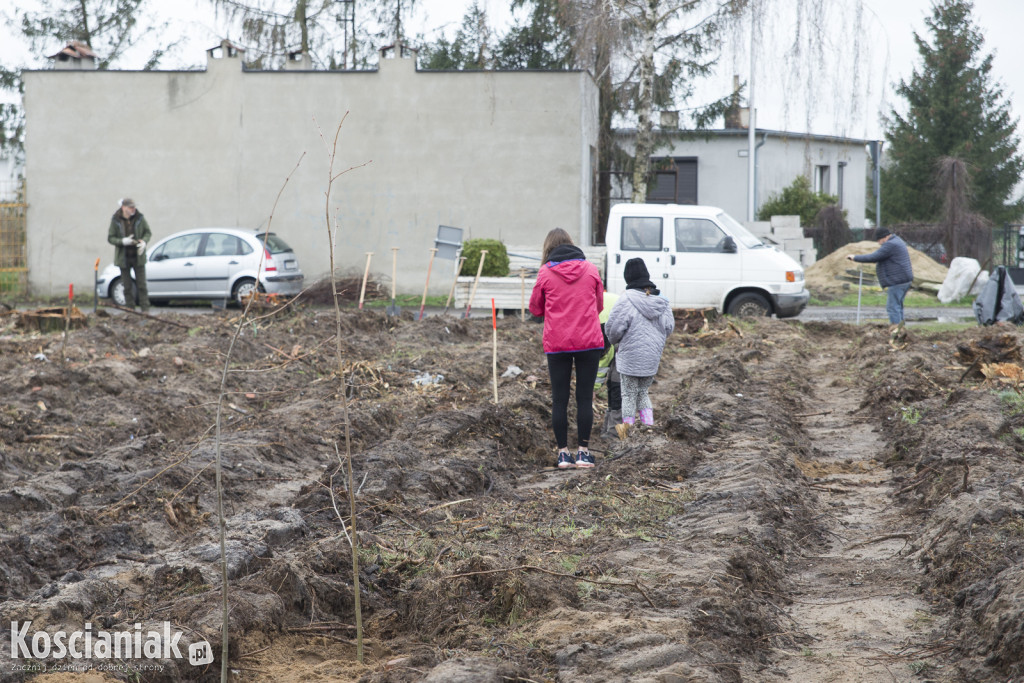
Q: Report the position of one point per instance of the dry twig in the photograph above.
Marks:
(879, 539)
(530, 567)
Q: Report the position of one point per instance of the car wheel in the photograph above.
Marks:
(749, 305)
(117, 292)
(243, 288)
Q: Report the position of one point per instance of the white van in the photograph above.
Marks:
(700, 256)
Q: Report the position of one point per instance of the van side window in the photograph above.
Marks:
(698, 234)
(641, 233)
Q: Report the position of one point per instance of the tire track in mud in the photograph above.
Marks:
(855, 600)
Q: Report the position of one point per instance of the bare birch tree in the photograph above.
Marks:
(673, 42)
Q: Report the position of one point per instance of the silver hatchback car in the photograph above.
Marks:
(212, 263)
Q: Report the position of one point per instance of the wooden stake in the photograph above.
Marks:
(476, 281)
(366, 274)
(392, 308)
(522, 286)
(455, 281)
(494, 345)
(394, 270)
(67, 323)
(423, 303)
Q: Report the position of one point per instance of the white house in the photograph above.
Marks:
(711, 168)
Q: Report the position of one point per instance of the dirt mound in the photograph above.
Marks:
(822, 274)
(810, 504)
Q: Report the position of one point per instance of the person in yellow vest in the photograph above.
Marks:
(606, 372)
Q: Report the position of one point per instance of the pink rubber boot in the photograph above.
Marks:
(647, 416)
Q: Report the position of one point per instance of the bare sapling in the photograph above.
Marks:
(332, 152)
(222, 531)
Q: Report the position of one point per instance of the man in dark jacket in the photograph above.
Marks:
(129, 232)
(893, 270)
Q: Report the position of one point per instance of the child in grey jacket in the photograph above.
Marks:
(638, 326)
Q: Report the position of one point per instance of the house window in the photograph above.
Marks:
(821, 179)
(673, 181)
(840, 169)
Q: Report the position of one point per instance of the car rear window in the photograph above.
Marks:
(275, 244)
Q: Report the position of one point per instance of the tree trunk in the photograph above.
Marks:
(606, 142)
(300, 19)
(645, 103)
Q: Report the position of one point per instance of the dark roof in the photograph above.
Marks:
(75, 49)
(744, 132)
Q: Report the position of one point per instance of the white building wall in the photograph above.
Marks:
(502, 155)
(723, 176)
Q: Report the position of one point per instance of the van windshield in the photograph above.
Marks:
(742, 235)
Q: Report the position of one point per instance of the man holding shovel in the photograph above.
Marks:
(894, 273)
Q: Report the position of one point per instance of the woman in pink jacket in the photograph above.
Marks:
(569, 296)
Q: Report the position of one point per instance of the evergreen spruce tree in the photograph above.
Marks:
(542, 41)
(954, 109)
(469, 51)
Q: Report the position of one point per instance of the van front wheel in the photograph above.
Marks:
(749, 305)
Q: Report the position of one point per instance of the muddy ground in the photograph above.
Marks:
(813, 503)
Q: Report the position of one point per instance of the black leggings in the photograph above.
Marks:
(560, 370)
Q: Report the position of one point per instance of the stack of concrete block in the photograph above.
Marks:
(785, 233)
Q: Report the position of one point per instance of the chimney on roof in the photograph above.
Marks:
(669, 120)
(735, 115)
(299, 61)
(76, 55)
(398, 50)
(223, 52)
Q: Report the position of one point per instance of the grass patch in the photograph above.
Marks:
(568, 563)
(872, 296)
(409, 301)
(1012, 401)
(910, 414)
(13, 282)
(935, 327)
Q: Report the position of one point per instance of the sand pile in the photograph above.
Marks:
(821, 275)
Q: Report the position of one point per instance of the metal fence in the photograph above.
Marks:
(13, 263)
(1007, 247)
(1007, 242)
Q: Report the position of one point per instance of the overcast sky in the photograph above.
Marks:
(827, 94)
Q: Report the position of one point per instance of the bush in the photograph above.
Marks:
(797, 200)
(495, 264)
